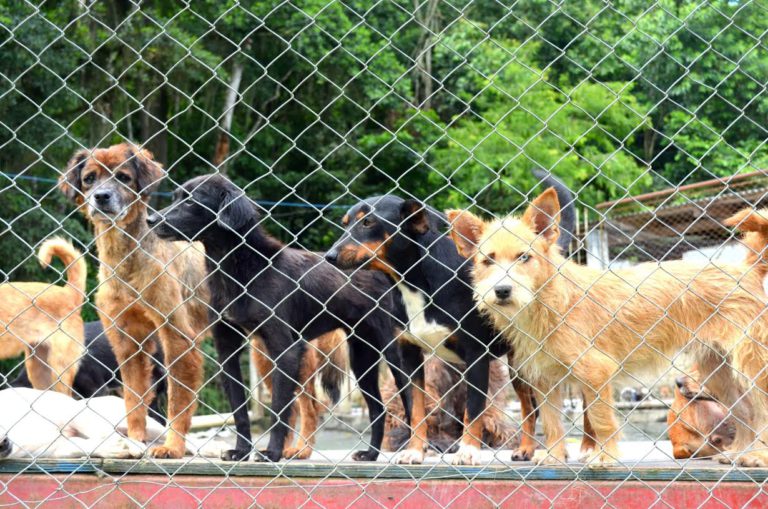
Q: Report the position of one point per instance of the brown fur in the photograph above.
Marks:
(445, 402)
(697, 425)
(146, 285)
(574, 325)
(43, 321)
(328, 351)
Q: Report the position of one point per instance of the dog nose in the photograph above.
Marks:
(152, 220)
(102, 196)
(503, 291)
(5, 447)
(332, 256)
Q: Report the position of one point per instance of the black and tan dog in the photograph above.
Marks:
(146, 285)
(286, 296)
(407, 241)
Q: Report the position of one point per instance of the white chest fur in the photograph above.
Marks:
(429, 335)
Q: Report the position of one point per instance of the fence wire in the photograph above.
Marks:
(298, 249)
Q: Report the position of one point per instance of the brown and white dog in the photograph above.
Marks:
(571, 324)
(43, 321)
(146, 285)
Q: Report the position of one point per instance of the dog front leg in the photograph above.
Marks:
(284, 379)
(413, 363)
(136, 373)
(477, 390)
(229, 344)
(528, 444)
(185, 370)
(599, 412)
(551, 412)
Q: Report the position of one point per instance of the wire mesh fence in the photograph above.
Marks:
(335, 240)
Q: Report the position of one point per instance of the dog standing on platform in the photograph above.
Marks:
(581, 326)
(285, 296)
(146, 285)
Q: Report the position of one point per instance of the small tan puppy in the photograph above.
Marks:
(44, 322)
(571, 324)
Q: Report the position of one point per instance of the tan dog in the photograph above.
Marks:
(43, 321)
(326, 356)
(571, 324)
(146, 285)
(698, 426)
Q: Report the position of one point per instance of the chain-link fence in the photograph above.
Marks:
(308, 253)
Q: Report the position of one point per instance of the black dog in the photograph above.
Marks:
(285, 295)
(406, 240)
(99, 375)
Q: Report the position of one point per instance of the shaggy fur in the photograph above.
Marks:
(324, 359)
(43, 321)
(445, 402)
(146, 285)
(698, 426)
(286, 296)
(570, 324)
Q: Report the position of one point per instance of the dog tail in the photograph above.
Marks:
(73, 260)
(333, 347)
(567, 204)
(754, 225)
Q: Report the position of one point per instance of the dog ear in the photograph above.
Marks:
(69, 181)
(235, 211)
(749, 220)
(466, 230)
(413, 217)
(543, 215)
(148, 172)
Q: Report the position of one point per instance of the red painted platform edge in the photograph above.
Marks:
(78, 491)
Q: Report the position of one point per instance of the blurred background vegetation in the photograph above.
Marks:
(323, 102)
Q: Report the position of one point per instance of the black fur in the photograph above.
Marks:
(285, 295)
(425, 259)
(99, 374)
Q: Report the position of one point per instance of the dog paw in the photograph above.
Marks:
(367, 455)
(601, 458)
(754, 459)
(410, 457)
(163, 452)
(235, 454)
(467, 455)
(544, 457)
(586, 454)
(265, 455)
(522, 454)
(295, 453)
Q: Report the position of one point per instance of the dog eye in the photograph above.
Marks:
(89, 179)
(367, 222)
(487, 262)
(523, 257)
(123, 177)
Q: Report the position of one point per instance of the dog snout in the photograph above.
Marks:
(153, 219)
(332, 256)
(102, 196)
(503, 292)
(5, 447)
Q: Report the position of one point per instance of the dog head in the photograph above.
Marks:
(382, 230)
(6, 446)
(512, 256)
(698, 425)
(204, 206)
(111, 184)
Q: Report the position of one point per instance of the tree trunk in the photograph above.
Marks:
(221, 153)
(428, 19)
